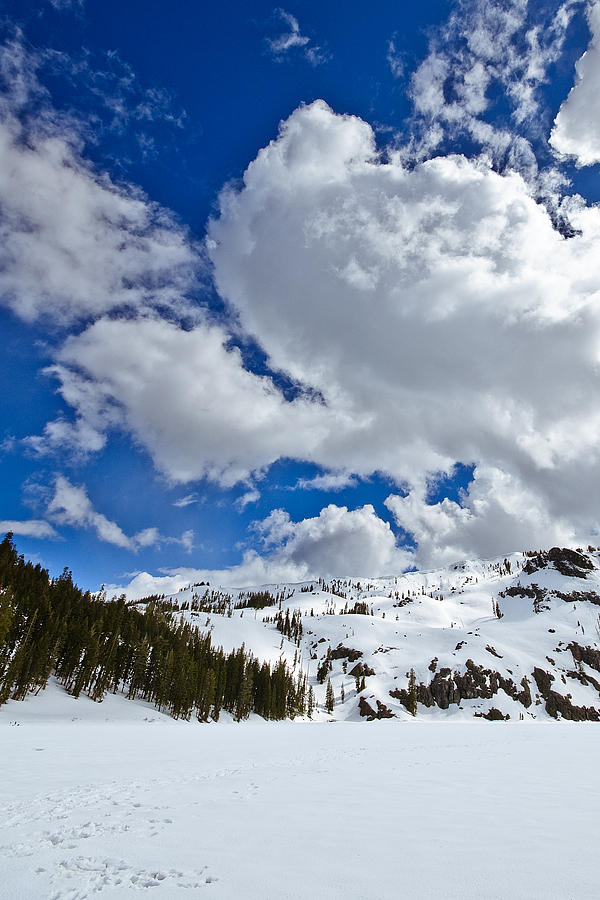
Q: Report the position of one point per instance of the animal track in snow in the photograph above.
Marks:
(60, 803)
(67, 835)
(17, 850)
(251, 790)
(78, 878)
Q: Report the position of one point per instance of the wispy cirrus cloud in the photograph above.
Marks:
(115, 100)
(395, 58)
(281, 46)
(250, 496)
(328, 481)
(67, 5)
(188, 500)
(36, 528)
(70, 505)
(485, 51)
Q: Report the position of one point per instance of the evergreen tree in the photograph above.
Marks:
(329, 697)
(243, 703)
(324, 667)
(310, 705)
(412, 693)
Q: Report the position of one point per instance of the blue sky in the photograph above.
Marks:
(301, 290)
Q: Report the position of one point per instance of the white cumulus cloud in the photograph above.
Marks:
(435, 306)
(434, 311)
(497, 513)
(336, 543)
(186, 398)
(576, 129)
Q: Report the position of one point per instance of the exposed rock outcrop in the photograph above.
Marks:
(341, 652)
(533, 592)
(570, 563)
(493, 715)
(367, 711)
(589, 655)
(574, 596)
(477, 683)
(556, 703)
(361, 669)
(584, 679)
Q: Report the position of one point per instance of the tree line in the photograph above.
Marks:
(49, 626)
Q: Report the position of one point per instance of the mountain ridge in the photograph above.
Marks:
(513, 637)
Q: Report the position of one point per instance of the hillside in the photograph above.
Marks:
(508, 637)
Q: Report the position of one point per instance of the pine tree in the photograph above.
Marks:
(324, 667)
(310, 703)
(412, 693)
(243, 704)
(329, 697)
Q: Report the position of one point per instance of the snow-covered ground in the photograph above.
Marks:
(115, 798)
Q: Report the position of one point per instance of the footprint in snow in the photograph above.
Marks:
(63, 837)
(252, 789)
(17, 850)
(78, 878)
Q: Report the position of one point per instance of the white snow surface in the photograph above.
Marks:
(114, 804)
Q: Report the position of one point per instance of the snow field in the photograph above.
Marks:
(286, 811)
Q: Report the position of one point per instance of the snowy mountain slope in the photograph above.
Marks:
(513, 637)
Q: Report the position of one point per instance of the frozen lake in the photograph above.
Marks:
(283, 811)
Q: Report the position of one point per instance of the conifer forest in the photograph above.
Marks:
(49, 626)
